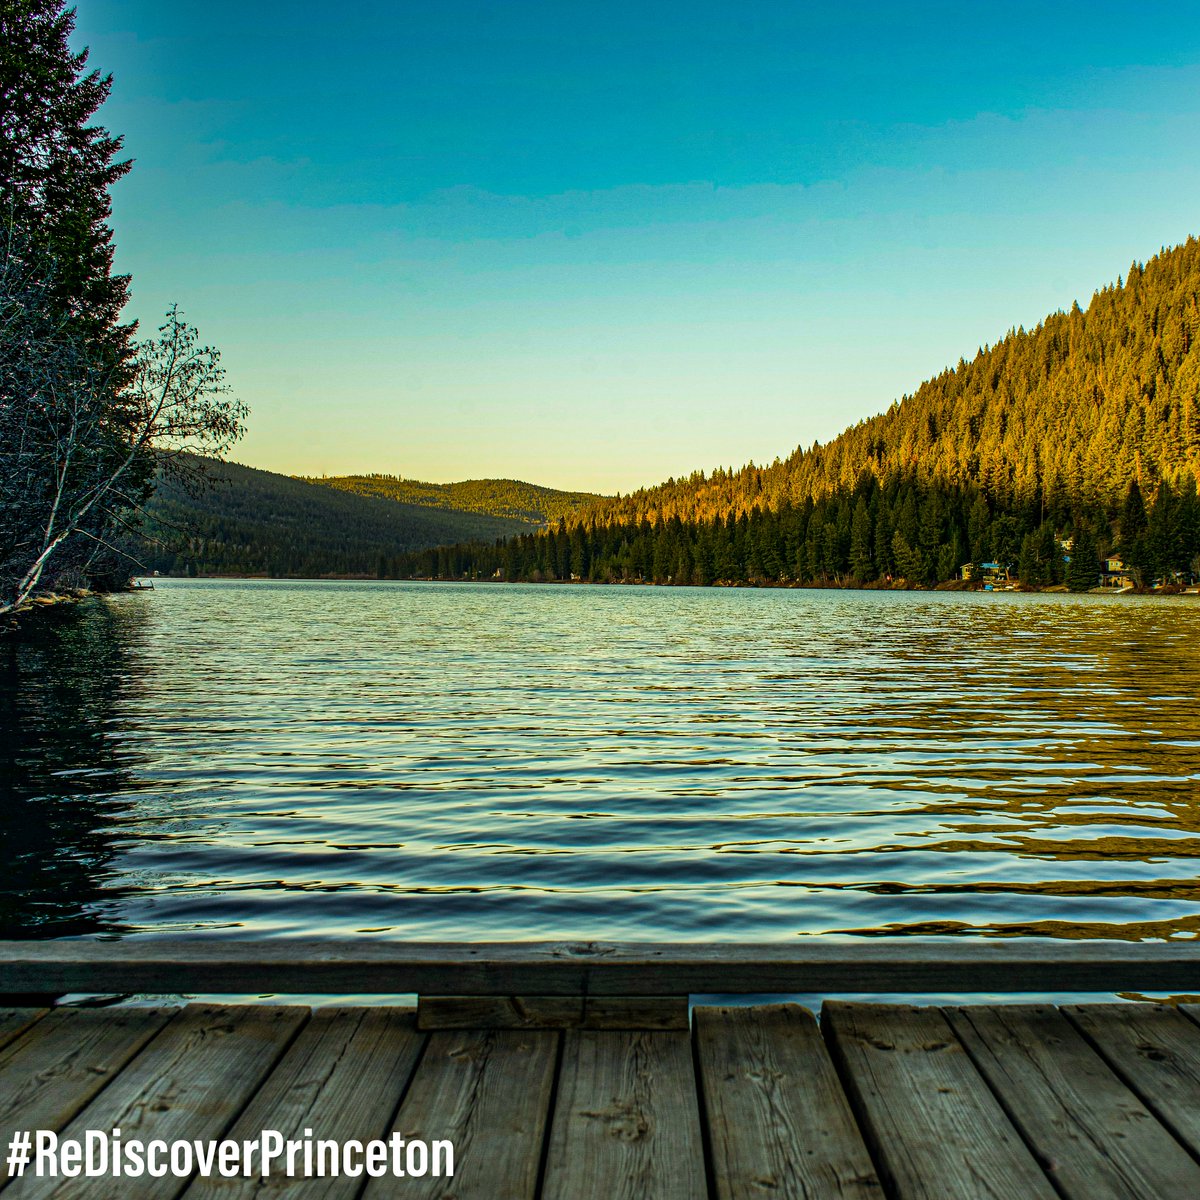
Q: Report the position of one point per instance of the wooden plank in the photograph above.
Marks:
(342, 1078)
(66, 1059)
(1091, 1134)
(189, 1083)
(934, 1128)
(14, 1022)
(499, 1012)
(635, 1012)
(552, 1012)
(489, 1094)
(779, 1124)
(282, 965)
(1156, 1050)
(626, 1122)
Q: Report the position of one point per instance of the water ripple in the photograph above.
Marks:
(484, 762)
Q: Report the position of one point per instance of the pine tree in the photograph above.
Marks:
(1163, 536)
(56, 168)
(1133, 546)
(1050, 555)
(862, 567)
(978, 528)
(1083, 571)
(1028, 567)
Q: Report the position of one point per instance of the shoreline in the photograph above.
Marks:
(950, 585)
(45, 602)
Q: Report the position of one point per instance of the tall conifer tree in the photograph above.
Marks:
(56, 167)
(1083, 571)
(1133, 545)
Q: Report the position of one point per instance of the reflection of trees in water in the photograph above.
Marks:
(61, 770)
(1083, 767)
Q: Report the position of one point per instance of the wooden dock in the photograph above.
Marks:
(754, 1102)
(1016, 1101)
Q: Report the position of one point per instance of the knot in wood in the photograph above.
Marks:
(582, 950)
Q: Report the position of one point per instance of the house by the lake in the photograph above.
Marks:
(1116, 575)
(987, 573)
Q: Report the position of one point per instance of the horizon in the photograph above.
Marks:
(596, 251)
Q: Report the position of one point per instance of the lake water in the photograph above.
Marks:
(475, 762)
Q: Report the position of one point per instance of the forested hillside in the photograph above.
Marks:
(256, 522)
(1046, 453)
(525, 502)
(1068, 413)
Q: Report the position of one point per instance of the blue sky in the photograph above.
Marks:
(594, 245)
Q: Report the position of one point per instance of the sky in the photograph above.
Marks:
(596, 245)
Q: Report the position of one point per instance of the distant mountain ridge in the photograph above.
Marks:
(511, 499)
(253, 522)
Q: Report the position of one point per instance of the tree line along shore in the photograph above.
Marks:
(894, 533)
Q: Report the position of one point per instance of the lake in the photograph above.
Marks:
(479, 762)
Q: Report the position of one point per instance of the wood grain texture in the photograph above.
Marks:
(552, 1012)
(190, 1082)
(14, 1022)
(626, 1121)
(282, 965)
(488, 1092)
(635, 1012)
(1156, 1050)
(64, 1060)
(964, 1103)
(934, 1128)
(779, 1124)
(1092, 1135)
(343, 1078)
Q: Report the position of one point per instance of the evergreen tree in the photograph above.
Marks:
(56, 168)
(1006, 540)
(702, 560)
(909, 561)
(1083, 571)
(1132, 546)
(1163, 536)
(978, 530)
(947, 561)
(67, 424)
(862, 567)
(1028, 567)
(1188, 517)
(1050, 556)
(884, 533)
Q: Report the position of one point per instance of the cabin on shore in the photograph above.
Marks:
(988, 572)
(1116, 575)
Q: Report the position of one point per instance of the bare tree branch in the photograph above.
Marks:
(78, 446)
